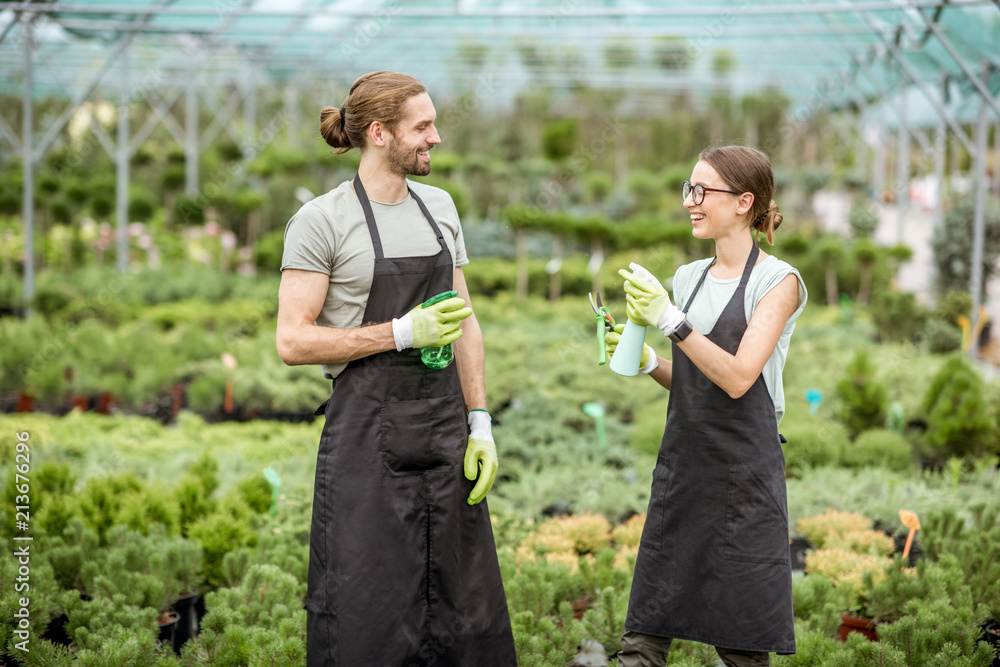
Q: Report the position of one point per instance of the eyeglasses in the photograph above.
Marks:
(699, 192)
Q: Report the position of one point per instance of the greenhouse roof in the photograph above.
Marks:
(820, 53)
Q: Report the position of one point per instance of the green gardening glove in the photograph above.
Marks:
(480, 455)
(434, 326)
(611, 339)
(647, 303)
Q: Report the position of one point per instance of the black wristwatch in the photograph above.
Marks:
(681, 332)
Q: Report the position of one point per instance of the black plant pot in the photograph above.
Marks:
(187, 624)
(56, 632)
(991, 635)
(797, 547)
(168, 627)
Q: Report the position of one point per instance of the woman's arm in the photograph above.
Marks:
(663, 373)
(735, 374)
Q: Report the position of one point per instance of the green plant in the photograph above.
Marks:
(863, 399)
(880, 447)
(942, 337)
(958, 418)
(818, 443)
(819, 528)
(260, 622)
(113, 631)
(226, 529)
(255, 491)
(898, 316)
(863, 219)
(952, 244)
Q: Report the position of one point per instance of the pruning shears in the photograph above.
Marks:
(604, 323)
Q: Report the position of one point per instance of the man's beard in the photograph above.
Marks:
(406, 162)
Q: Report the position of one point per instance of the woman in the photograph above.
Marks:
(713, 563)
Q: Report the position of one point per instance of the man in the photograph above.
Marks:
(402, 565)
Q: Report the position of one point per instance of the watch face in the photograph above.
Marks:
(682, 331)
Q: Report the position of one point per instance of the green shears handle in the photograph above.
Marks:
(602, 318)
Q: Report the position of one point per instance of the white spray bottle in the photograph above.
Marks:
(628, 354)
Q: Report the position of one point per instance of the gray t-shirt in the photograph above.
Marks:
(715, 293)
(329, 235)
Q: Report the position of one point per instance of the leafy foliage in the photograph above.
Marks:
(863, 399)
(959, 420)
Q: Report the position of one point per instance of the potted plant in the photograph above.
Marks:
(179, 562)
(854, 558)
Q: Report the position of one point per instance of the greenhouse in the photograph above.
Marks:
(179, 291)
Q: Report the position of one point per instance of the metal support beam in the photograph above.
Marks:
(902, 169)
(123, 154)
(940, 164)
(8, 133)
(979, 220)
(996, 157)
(249, 102)
(221, 119)
(293, 113)
(980, 86)
(28, 162)
(886, 95)
(10, 26)
(908, 70)
(161, 107)
(456, 10)
(191, 140)
(879, 165)
(56, 127)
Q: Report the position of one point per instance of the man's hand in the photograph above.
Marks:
(480, 455)
(434, 326)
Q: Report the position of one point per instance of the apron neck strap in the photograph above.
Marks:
(744, 279)
(359, 189)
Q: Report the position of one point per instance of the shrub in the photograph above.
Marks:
(647, 431)
(227, 529)
(817, 529)
(629, 533)
(863, 400)
(255, 491)
(952, 245)
(863, 220)
(898, 316)
(814, 446)
(958, 418)
(880, 447)
(583, 534)
(941, 336)
(260, 622)
(955, 304)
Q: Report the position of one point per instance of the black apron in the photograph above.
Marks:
(402, 570)
(713, 563)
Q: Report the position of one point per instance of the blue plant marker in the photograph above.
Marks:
(815, 397)
(596, 412)
(274, 479)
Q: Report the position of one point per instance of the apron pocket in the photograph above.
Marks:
(652, 531)
(756, 524)
(420, 435)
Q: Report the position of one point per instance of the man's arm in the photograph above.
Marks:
(300, 341)
(469, 353)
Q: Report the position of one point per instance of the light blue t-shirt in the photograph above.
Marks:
(715, 293)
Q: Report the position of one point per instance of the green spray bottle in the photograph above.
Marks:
(438, 357)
